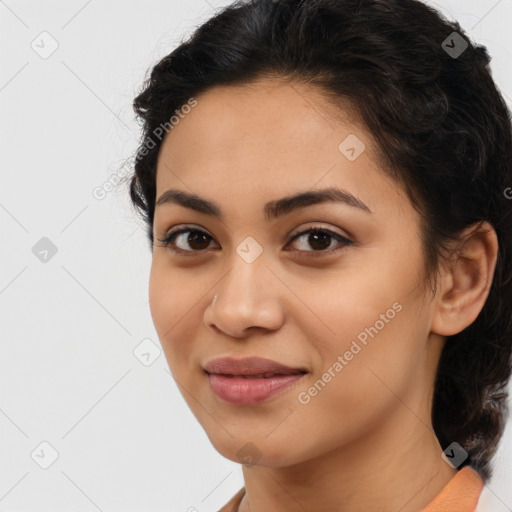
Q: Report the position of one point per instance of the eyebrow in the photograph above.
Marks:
(272, 209)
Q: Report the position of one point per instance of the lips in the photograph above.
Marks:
(237, 390)
(251, 380)
(250, 367)
(258, 376)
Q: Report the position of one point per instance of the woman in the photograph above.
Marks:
(325, 189)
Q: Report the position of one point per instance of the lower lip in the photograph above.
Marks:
(240, 391)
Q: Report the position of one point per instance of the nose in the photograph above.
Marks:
(247, 299)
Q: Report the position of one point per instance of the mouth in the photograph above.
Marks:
(252, 389)
(250, 380)
(257, 375)
(250, 367)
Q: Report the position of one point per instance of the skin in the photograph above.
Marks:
(365, 441)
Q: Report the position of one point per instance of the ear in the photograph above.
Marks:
(466, 280)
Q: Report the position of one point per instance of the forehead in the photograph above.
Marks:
(267, 139)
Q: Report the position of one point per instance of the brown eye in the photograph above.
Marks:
(320, 240)
(197, 240)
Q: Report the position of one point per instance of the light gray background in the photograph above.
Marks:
(124, 436)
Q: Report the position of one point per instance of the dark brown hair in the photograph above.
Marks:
(443, 132)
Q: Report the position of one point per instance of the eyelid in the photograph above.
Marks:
(309, 226)
(344, 239)
(178, 230)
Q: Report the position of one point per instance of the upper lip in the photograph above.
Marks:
(249, 366)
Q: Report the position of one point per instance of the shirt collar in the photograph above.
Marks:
(460, 494)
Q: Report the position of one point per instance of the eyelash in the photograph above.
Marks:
(168, 240)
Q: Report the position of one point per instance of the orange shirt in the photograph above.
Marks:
(460, 494)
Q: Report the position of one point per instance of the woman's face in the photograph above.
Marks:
(352, 313)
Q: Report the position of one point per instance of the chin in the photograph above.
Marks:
(249, 451)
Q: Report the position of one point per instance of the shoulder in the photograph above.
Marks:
(461, 493)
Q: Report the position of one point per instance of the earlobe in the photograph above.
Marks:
(466, 280)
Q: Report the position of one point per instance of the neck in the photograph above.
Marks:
(397, 466)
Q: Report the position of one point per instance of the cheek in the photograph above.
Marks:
(172, 294)
(358, 393)
(381, 360)
(160, 299)
(372, 335)
(358, 306)
(174, 307)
